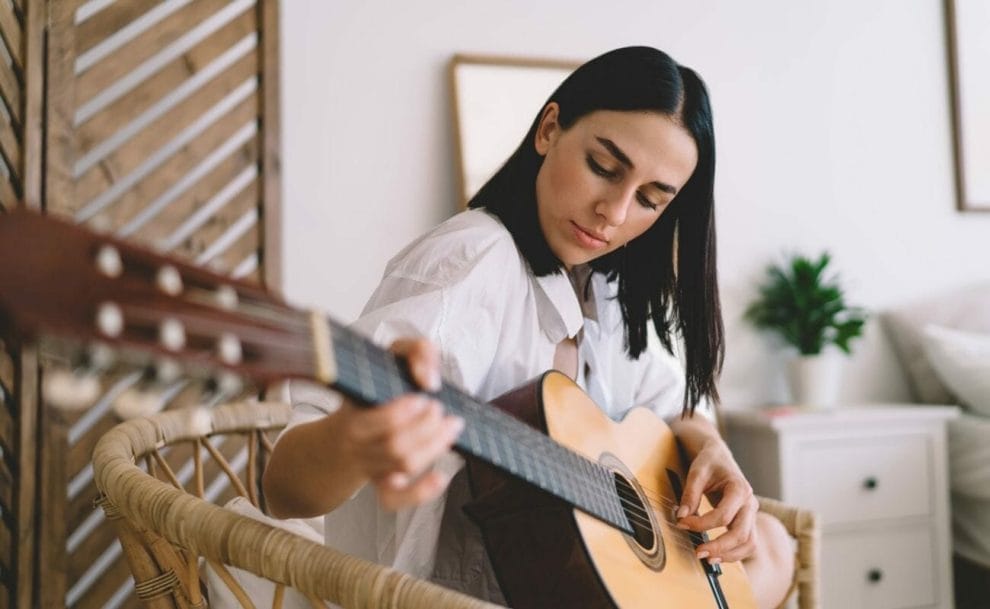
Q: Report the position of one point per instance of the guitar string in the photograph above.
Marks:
(631, 509)
(388, 360)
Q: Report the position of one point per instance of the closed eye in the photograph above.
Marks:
(598, 169)
(646, 202)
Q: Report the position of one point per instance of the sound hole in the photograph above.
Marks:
(636, 513)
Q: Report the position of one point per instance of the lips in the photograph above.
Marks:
(587, 238)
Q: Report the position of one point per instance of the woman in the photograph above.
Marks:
(600, 223)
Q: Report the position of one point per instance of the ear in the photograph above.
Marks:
(548, 129)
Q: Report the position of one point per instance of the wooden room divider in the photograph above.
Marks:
(157, 121)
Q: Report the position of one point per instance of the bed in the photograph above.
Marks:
(943, 344)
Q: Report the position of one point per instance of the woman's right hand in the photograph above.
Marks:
(316, 466)
(395, 444)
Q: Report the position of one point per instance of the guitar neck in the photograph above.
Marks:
(371, 375)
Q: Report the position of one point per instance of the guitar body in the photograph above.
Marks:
(547, 554)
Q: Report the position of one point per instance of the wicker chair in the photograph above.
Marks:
(164, 530)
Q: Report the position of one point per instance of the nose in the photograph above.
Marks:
(614, 205)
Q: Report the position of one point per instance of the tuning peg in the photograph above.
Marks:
(78, 387)
(169, 280)
(70, 390)
(226, 297)
(108, 261)
(110, 319)
(229, 349)
(152, 393)
(225, 384)
(172, 334)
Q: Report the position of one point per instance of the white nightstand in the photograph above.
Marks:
(878, 477)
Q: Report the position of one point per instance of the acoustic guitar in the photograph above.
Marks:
(575, 509)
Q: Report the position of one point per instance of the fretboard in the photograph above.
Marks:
(372, 375)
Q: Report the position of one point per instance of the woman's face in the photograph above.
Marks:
(607, 179)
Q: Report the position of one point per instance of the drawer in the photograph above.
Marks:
(889, 569)
(863, 479)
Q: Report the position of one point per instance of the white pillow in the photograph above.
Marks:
(962, 361)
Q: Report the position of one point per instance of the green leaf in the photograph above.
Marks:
(799, 301)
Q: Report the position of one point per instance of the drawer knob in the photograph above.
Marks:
(871, 483)
(874, 575)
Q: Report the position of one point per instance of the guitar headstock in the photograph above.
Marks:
(58, 280)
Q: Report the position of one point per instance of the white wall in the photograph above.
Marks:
(832, 123)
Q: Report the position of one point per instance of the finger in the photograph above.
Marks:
(375, 423)
(423, 359)
(416, 448)
(395, 493)
(737, 542)
(694, 487)
(734, 497)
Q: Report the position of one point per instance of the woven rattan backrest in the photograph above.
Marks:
(170, 527)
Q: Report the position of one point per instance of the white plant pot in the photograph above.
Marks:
(814, 379)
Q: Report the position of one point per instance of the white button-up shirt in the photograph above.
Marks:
(465, 286)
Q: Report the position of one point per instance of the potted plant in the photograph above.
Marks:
(807, 308)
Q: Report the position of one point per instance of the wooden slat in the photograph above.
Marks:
(6, 548)
(79, 454)
(59, 141)
(6, 429)
(228, 259)
(25, 510)
(10, 148)
(6, 484)
(143, 47)
(51, 523)
(199, 193)
(81, 506)
(271, 169)
(7, 373)
(253, 277)
(164, 176)
(79, 561)
(137, 101)
(218, 224)
(107, 585)
(8, 198)
(34, 99)
(108, 21)
(10, 89)
(13, 34)
(153, 137)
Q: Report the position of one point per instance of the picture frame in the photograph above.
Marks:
(495, 100)
(968, 37)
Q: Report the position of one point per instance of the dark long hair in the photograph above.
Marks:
(668, 274)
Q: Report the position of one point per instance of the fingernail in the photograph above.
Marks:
(398, 480)
(435, 381)
(421, 403)
(702, 555)
(715, 561)
(458, 425)
(682, 511)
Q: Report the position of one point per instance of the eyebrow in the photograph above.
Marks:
(623, 158)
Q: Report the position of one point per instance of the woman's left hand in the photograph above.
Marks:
(715, 474)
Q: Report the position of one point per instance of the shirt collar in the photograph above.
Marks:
(558, 309)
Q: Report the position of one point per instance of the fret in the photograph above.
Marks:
(473, 440)
(493, 448)
(510, 455)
